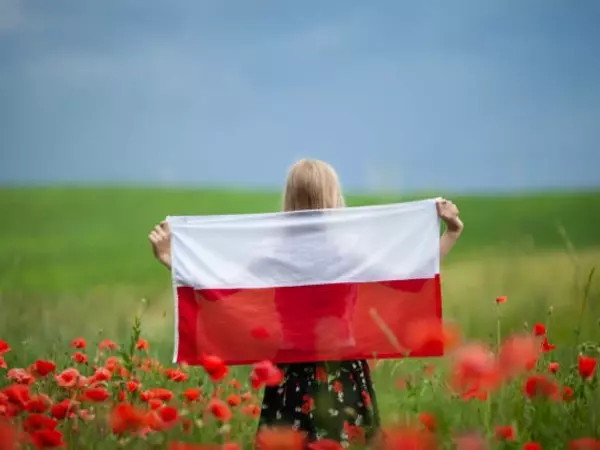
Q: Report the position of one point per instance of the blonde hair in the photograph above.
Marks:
(312, 184)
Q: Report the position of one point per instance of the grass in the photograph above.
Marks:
(76, 262)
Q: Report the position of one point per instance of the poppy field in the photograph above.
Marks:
(86, 333)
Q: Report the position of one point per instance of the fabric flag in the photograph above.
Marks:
(336, 284)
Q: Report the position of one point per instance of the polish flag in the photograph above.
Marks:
(336, 284)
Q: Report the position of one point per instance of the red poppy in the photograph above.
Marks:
(219, 409)
(36, 421)
(409, 438)
(252, 411)
(586, 366)
(501, 299)
(142, 344)
(67, 378)
(532, 446)
(176, 375)
(20, 376)
(47, 438)
(585, 444)
(79, 343)
(265, 373)
(38, 403)
(3, 364)
(4, 347)
(107, 344)
(539, 329)
(356, 434)
(17, 394)
(64, 409)
(518, 354)
(43, 368)
(567, 393)
(127, 418)
(98, 394)
(192, 394)
(553, 367)
(234, 400)
(80, 358)
(428, 420)
(546, 345)
(280, 438)
(541, 386)
(506, 433)
(215, 367)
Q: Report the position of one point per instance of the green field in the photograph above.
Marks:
(76, 262)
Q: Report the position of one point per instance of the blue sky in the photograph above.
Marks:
(425, 95)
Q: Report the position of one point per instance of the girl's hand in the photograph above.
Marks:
(160, 237)
(448, 212)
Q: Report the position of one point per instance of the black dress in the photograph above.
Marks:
(332, 400)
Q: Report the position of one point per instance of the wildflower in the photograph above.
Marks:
(428, 420)
(539, 329)
(546, 345)
(3, 364)
(68, 378)
(96, 394)
(20, 376)
(553, 367)
(532, 446)
(219, 409)
(47, 438)
(4, 347)
(38, 403)
(280, 438)
(356, 434)
(192, 394)
(541, 386)
(585, 444)
(501, 299)
(176, 375)
(265, 373)
(567, 393)
(518, 354)
(132, 385)
(66, 408)
(107, 344)
(79, 343)
(126, 418)
(474, 366)
(17, 394)
(506, 433)
(37, 421)
(215, 367)
(252, 411)
(102, 374)
(234, 400)
(409, 438)
(80, 358)
(470, 441)
(586, 366)
(43, 368)
(142, 344)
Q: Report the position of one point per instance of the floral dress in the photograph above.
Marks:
(332, 400)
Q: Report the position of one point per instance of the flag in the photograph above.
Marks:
(304, 286)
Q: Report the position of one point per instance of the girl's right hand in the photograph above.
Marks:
(160, 238)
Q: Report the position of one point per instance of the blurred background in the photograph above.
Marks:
(115, 114)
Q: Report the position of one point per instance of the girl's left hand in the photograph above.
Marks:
(448, 212)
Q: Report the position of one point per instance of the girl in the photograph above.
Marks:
(329, 400)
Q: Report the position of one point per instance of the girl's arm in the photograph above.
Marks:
(160, 237)
(448, 212)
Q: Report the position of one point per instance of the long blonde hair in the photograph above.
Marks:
(312, 184)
